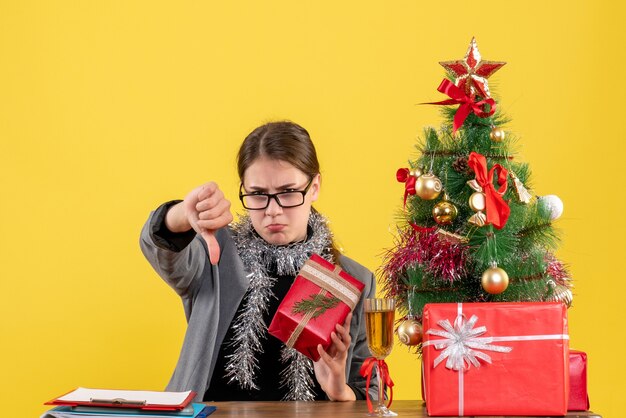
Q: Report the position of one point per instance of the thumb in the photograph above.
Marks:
(212, 245)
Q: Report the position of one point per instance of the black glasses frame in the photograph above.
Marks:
(274, 196)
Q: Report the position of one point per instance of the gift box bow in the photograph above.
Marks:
(461, 343)
(329, 281)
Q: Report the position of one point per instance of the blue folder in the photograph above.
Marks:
(199, 411)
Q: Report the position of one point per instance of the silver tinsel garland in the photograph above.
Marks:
(249, 326)
(297, 376)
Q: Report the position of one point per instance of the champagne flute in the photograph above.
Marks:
(379, 317)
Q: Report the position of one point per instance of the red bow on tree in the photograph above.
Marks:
(367, 370)
(458, 96)
(497, 209)
(404, 176)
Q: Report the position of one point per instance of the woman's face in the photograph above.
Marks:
(275, 224)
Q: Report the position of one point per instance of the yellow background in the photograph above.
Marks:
(109, 108)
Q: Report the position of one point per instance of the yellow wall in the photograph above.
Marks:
(108, 108)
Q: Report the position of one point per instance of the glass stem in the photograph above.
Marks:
(381, 390)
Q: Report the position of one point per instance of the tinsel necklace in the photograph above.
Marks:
(256, 254)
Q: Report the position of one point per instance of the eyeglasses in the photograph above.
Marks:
(258, 201)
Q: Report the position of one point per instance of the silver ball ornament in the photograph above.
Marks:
(554, 204)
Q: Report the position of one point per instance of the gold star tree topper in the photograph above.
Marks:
(471, 72)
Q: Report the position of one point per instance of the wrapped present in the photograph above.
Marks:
(321, 296)
(496, 359)
(578, 397)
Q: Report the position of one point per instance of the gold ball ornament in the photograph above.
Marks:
(428, 186)
(477, 202)
(444, 212)
(497, 135)
(494, 280)
(410, 332)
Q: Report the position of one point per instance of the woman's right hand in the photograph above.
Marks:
(205, 209)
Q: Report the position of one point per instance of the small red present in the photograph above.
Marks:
(578, 396)
(321, 296)
(496, 359)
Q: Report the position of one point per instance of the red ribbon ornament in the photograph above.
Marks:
(458, 96)
(404, 176)
(497, 209)
(422, 229)
(367, 370)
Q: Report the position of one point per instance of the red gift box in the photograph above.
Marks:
(331, 293)
(496, 358)
(578, 396)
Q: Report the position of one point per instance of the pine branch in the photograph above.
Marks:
(317, 304)
(457, 154)
(538, 229)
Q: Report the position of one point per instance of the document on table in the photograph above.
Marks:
(86, 396)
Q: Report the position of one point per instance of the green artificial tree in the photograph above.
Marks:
(470, 230)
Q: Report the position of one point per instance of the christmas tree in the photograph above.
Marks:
(471, 230)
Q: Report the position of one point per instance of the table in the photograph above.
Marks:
(322, 409)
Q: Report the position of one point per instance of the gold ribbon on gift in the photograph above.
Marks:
(327, 281)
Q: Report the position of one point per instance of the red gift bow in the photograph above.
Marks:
(404, 176)
(497, 209)
(367, 370)
(458, 96)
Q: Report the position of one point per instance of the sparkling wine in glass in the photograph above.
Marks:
(379, 317)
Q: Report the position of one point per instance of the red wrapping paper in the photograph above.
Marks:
(316, 330)
(531, 379)
(578, 396)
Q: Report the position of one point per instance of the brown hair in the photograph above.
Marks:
(284, 141)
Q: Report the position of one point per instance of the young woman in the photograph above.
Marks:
(232, 276)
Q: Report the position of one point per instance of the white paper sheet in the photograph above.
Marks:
(150, 397)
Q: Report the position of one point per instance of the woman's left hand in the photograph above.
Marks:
(330, 369)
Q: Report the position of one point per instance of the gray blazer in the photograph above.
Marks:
(211, 296)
